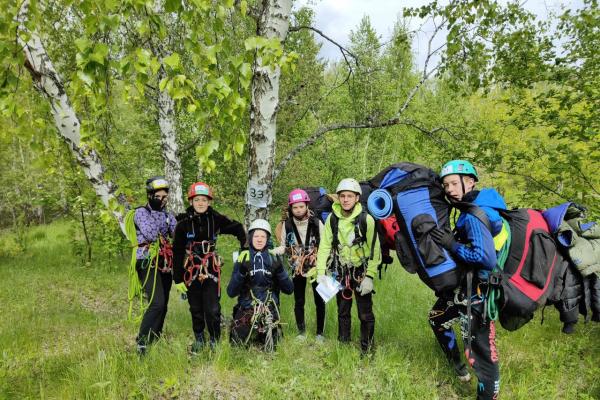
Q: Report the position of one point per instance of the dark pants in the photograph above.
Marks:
(365, 315)
(483, 356)
(154, 317)
(299, 301)
(442, 316)
(203, 298)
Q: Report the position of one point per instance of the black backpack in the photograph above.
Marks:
(320, 204)
(529, 274)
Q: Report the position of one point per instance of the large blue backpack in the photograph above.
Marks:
(419, 204)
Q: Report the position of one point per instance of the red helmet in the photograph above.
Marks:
(200, 188)
(298, 196)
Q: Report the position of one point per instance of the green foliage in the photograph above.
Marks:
(71, 339)
(10, 246)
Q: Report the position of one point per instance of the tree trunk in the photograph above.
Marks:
(168, 127)
(48, 82)
(168, 136)
(272, 22)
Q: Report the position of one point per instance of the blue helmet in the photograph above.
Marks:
(459, 167)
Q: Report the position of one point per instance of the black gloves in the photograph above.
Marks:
(243, 268)
(386, 259)
(443, 237)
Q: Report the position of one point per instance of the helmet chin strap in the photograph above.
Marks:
(462, 184)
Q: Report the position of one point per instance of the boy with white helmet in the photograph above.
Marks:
(349, 250)
(258, 277)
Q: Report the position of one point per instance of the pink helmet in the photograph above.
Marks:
(297, 196)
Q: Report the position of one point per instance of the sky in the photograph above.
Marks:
(336, 18)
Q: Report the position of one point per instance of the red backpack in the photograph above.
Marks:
(528, 275)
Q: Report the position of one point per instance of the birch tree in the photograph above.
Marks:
(272, 24)
(49, 83)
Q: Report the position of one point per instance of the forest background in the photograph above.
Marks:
(96, 96)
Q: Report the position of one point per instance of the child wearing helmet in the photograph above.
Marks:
(473, 247)
(258, 277)
(299, 236)
(197, 266)
(350, 251)
(153, 228)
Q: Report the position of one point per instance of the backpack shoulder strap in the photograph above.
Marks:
(333, 223)
(475, 211)
(314, 223)
(290, 227)
(362, 222)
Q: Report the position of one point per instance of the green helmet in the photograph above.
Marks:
(459, 167)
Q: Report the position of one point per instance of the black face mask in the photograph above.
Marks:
(155, 204)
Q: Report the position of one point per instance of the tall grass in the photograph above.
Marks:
(64, 334)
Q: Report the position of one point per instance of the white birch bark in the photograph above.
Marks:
(48, 82)
(170, 151)
(168, 130)
(272, 22)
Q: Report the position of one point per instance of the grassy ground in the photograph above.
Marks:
(64, 334)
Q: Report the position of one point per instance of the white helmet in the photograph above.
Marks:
(349, 184)
(260, 224)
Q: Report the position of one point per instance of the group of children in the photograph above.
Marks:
(259, 275)
(344, 249)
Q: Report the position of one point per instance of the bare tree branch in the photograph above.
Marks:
(188, 146)
(426, 73)
(343, 50)
(349, 125)
(534, 181)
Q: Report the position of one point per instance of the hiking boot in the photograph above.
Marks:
(301, 337)
(141, 349)
(462, 372)
(569, 327)
(596, 317)
(320, 339)
(212, 344)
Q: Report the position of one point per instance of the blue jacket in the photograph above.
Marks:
(476, 243)
(253, 273)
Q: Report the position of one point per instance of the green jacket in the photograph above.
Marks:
(346, 253)
(583, 246)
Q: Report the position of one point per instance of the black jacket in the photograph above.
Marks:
(248, 275)
(194, 227)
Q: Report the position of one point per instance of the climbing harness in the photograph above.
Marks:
(157, 251)
(201, 256)
(302, 254)
(264, 321)
(301, 259)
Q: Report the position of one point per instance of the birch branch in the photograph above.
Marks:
(48, 82)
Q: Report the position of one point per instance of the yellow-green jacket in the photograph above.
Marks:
(346, 253)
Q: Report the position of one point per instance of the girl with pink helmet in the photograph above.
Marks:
(299, 236)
